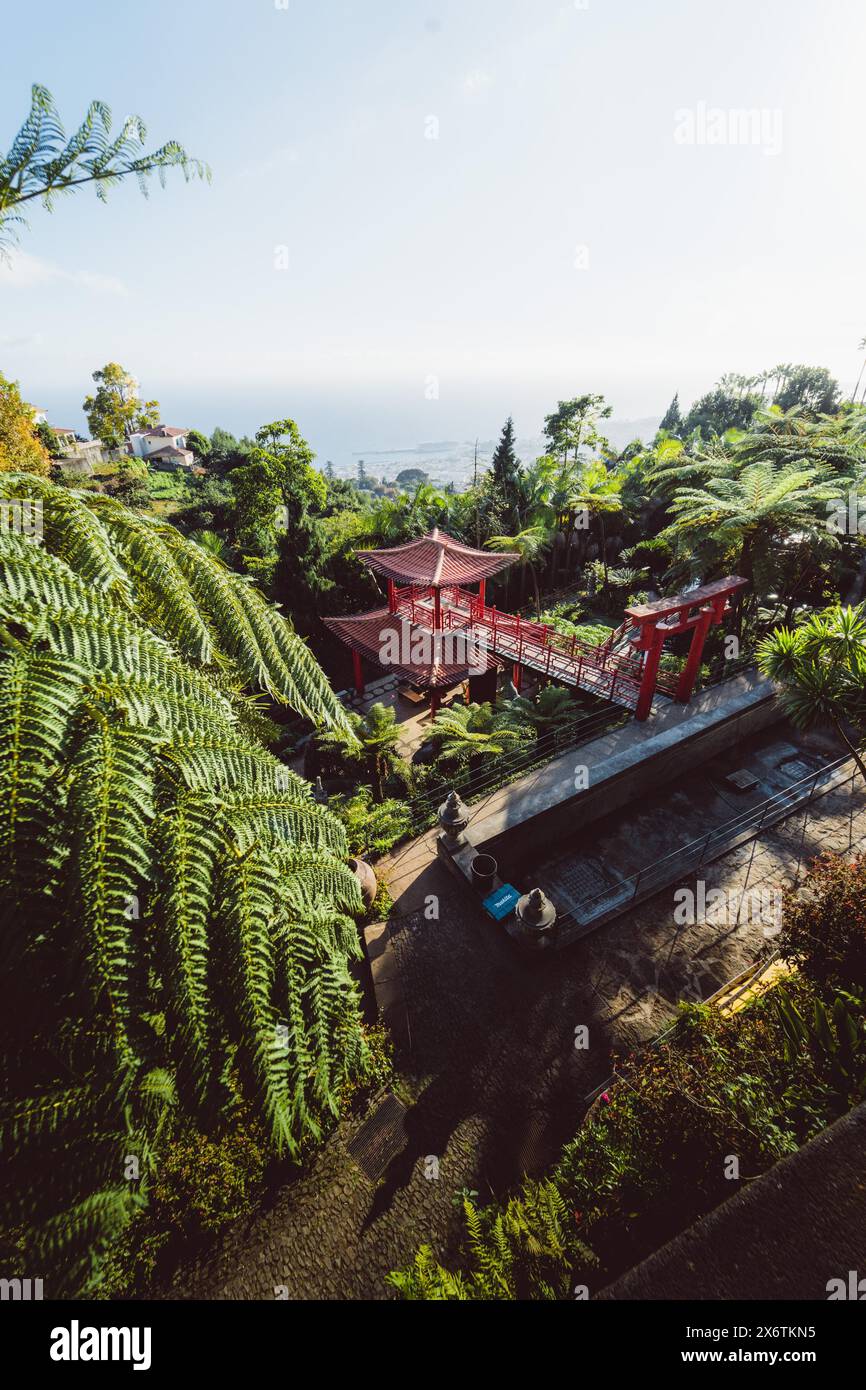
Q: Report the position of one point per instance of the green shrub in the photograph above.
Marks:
(824, 923)
(203, 1183)
(356, 1091)
(371, 828)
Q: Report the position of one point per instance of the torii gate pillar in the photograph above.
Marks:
(688, 675)
(656, 641)
(694, 612)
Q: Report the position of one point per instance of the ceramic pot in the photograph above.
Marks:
(367, 880)
(484, 871)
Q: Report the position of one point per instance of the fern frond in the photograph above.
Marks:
(188, 841)
(162, 593)
(38, 693)
(110, 810)
(71, 532)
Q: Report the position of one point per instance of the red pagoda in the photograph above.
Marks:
(435, 632)
(428, 634)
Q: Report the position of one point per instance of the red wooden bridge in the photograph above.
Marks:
(610, 671)
(623, 669)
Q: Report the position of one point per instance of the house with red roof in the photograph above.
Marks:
(164, 447)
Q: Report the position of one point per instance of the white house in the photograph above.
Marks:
(164, 447)
(65, 438)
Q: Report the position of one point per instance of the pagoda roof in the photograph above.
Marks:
(370, 633)
(437, 559)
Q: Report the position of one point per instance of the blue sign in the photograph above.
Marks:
(502, 902)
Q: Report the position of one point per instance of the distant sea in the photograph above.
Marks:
(454, 461)
(343, 427)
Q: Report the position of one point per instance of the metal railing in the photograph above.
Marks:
(509, 767)
(692, 855)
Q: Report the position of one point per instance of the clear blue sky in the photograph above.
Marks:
(456, 257)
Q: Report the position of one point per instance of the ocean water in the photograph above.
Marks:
(384, 429)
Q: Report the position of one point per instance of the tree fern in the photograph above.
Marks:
(165, 576)
(178, 912)
(109, 807)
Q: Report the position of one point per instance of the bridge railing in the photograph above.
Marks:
(531, 640)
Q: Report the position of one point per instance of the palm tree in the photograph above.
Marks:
(473, 733)
(561, 504)
(371, 743)
(211, 542)
(536, 484)
(821, 672)
(598, 492)
(385, 523)
(177, 908)
(529, 544)
(427, 507)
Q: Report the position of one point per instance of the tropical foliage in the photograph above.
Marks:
(820, 668)
(20, 442)
(645, 1163)
(475, 734)
(178, 908)
(371, 827)
(824, 925)
(43, 163)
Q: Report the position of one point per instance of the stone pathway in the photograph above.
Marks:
(492, 1068)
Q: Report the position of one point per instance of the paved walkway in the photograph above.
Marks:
(496, 1080)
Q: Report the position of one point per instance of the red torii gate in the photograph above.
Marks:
(699, 611)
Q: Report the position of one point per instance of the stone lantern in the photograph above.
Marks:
(453, 818)
(536, 920)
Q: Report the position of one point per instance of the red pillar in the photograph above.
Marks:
(392, 597)
(650, 671)
(515, 677)
(686, 682)
(434, 703)
(358, 672)
(437, 609)
(482, 596)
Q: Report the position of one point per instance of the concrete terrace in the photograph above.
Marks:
(502, 821)
(660, 746)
